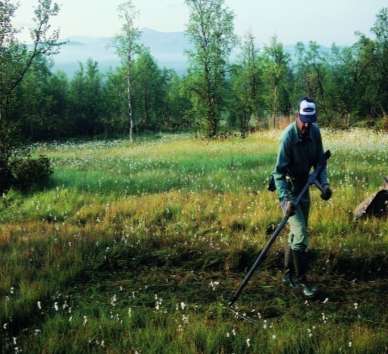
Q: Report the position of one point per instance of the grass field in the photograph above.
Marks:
(137, 248)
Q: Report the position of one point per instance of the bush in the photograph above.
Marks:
(28, 172)
(5, 177)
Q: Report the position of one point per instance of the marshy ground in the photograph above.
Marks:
(137, 248)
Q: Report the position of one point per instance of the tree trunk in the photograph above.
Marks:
(129, 97)
(275, 97)
(146, 112)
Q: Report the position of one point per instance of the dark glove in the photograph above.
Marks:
(326, 193)
(288, 208)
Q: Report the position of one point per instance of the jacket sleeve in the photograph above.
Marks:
(322, 178)
(282, 162)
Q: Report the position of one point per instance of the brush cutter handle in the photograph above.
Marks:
(313, 179)
(259, 259)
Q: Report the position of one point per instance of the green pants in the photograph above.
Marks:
(298, 238)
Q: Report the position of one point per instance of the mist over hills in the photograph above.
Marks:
(168, 48)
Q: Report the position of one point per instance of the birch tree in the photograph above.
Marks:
(15, 57)
(127, 46)
(211, 31)
(246, 85)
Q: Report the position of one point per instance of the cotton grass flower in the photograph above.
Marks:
(113, 300)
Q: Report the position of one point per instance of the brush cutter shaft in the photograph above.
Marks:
(259, 259)
(313, 179)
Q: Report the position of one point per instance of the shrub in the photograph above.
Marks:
(28, 172)
(5, 177)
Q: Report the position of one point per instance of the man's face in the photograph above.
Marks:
(303, 127)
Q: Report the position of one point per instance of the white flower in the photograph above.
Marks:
(350, 344)
(113, 300)
(248, 342)
(183, 305)
(56, 306)
(39, 305)
(85, 321)
(214, 284)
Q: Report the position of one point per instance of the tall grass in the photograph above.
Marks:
(136, 248)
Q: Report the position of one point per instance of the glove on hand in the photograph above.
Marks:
(326, 193)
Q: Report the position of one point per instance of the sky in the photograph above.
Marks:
(324, 21)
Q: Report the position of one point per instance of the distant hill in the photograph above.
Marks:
(168, 48)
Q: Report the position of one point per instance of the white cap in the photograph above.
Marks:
(307, 111)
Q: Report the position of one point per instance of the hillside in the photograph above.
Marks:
(167, 47)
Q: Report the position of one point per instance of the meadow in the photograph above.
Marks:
(136, 248)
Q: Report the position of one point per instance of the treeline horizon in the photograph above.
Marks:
(349, 84)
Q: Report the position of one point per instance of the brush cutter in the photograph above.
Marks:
(312, 179)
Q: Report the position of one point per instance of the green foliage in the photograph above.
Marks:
(30, 172)
(211, 30)
(149, 92)
(247, 87)
(86, 100)
(348, 83)
(277, 78)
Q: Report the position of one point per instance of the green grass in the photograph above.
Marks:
(137, 248)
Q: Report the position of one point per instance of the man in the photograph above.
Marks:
(300, 149)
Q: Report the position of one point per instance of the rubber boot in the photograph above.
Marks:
(301, 265)
(289, 272)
